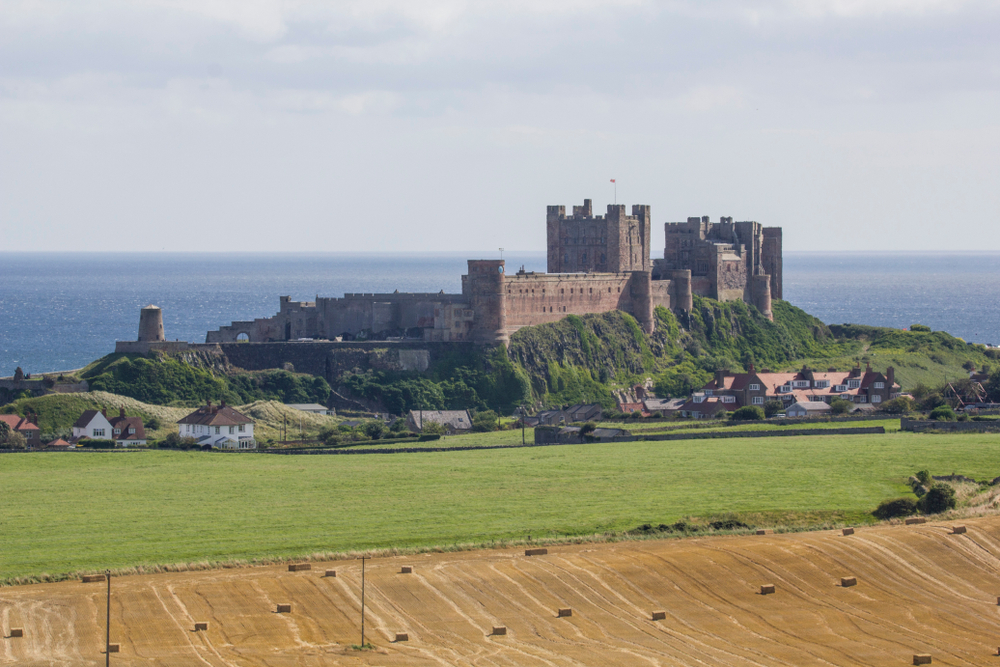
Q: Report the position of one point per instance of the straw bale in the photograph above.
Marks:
(284, 609)
(915, 520)
(330, 573)
(659, 615)
(17, 632)
(766, 589)
(406, 569)
(200, 626)
(402, 637)
(765, 531)
(921, 658)
(848, 581)
(535, 552)
(848, 531)
(499, 629)
(299, 567)
(114, 648)
(957, 530)
(565, 611)
(92, 578)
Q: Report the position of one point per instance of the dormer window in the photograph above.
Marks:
(708, 392)
(800, 384)
(755, 387)
(854, 384)
(822, 384)
(728, 399)
(840, 387)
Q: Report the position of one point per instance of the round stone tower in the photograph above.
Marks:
(151, 325)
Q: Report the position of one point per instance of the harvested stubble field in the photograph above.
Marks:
(919, 589)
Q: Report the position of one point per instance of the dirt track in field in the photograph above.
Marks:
(920, 590)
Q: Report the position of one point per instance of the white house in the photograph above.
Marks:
(218, 426)
(92, 424)
(808, 409)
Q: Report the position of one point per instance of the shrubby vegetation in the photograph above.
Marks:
(165, 380)
(747, 413)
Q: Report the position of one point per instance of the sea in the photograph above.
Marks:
(60, 311)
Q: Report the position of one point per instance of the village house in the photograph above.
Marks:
(218, 426)
(862, 387)
(26, 426)
(92, 424)
(704, 405)
(453, 421)
(126, 431)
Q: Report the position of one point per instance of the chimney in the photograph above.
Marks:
(121, 412)
(104, 412)
(720, 378)
(222, 403)
(750, 368)
(890, 377)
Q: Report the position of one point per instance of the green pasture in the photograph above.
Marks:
(65, 512)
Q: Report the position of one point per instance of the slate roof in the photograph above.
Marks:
(86, 418)
(216, 415)
(456, 419)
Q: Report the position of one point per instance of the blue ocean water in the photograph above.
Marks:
(61, 311)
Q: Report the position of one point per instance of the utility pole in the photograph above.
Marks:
(522, 424)
(363, 559)
(107, 637)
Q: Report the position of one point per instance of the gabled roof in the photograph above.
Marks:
(86, 418)
(58, 442)
(124, 423)
(18, 423)
(811, 406)
(216, 415)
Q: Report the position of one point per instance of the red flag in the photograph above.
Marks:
(612, 180)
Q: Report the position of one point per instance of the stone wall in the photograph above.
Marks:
(917, 425)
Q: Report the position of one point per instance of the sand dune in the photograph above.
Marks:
(919, 589)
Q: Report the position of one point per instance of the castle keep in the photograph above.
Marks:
(595, 264)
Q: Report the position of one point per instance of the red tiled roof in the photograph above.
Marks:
(18, 423)
(124, 423)
(58, 442)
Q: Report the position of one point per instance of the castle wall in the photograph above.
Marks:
(537, 298)
(771, 256)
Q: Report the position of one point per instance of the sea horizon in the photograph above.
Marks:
(62, 310)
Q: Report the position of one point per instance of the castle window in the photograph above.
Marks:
(570, 290)
(609, 290)
(562, 291)
(583, 257)
(602, 254)
(591, 290)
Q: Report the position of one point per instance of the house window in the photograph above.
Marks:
(880, 385)
(217, 429)
(758, 400)
(98, 432)
(728, 399)
(876, 399)
(232, 429)
(862, 399)
(755, 387)
(117, 431)
(840, 387)
(800, 383)
(131, 430)
(241, 428)
(854, 384)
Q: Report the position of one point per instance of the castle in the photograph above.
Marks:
(594, 264)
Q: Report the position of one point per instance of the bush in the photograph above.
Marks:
(890, 509)
(153, 423)
(485, 420)
(924, 477)
(15, 441)
(942, 413)
(839, 406)
(747, 413)
(920, 327)
(433, 428)
(772, 408)
(899, 405)
(374, 429)
(97, 444)
(939, 498)
(426, 437)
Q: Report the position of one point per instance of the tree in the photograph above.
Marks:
(899, 405)
(939, 498)
(153, 423)
(485, 420)
(839, 406)
(890, 509)
(4, 432)
(374, 429)
(772, 408)
(969, 365)
(920, 327)
(747, 413)
(15, 441)
(432, 428)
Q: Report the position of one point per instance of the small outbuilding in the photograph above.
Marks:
(808, 409)
(314, 408)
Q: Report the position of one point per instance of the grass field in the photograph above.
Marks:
(70, 511)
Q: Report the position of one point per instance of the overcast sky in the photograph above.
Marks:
(409, 125)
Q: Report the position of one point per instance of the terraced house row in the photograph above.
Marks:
(730, 391)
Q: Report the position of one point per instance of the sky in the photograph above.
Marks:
(449, 125)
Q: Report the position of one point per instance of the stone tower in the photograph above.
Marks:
(151, 325)
(585, 243)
